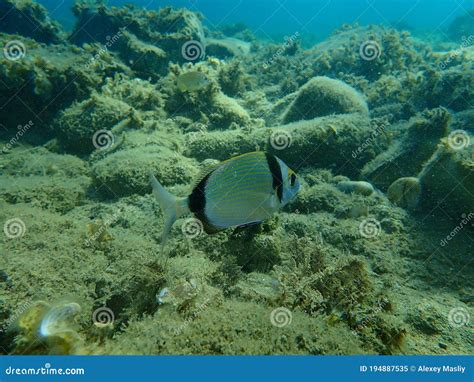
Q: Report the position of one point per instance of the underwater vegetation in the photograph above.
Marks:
(373, 255)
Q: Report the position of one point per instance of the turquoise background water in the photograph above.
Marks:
(316, 18)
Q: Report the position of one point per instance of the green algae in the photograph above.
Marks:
(91, 229)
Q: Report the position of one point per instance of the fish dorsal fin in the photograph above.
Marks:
(210, 167)
(205, 171)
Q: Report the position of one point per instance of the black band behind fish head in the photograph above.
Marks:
(275, 169)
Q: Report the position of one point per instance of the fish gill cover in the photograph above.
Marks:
(373, 255)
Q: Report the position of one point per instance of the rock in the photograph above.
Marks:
(462, 26)
(447, 179)
(405, 192)
(147, 60)
(125, 172)
(57, 75)
(29, 19)
(167, 30)
(407, 155)
(358, 187)
(323, 96)
(323, 142)
(227, 47)
(41, 178)
(77, 125)
(368, 51)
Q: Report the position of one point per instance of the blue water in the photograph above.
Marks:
(312, 18)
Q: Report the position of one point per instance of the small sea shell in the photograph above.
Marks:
(163, 296)
(59, 319)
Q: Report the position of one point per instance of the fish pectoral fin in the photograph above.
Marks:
(249, 227)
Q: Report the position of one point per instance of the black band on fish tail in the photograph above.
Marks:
(275, 169)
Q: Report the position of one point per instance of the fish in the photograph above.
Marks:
(192, 81)
(240, 191)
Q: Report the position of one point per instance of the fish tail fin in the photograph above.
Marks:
(172, 207)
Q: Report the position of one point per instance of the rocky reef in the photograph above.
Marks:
(372, 257)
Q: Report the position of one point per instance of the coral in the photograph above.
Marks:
(323, 96)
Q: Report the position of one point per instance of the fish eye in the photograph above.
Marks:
(292, 180)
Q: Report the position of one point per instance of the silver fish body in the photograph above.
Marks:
(242, 190)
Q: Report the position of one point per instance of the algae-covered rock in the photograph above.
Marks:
(51, 193)
(29, 19)
(43, 179)
(325, 142)
(77, 125)
(227, 47)
(358, 187)
(341, 269)
(447, 179)
(405, 192)
(138, 93)
(368, 51)
(205, 103)
(323, 96)
(147, 60)
(56, 75)
(151, 32)
(406, 156)
(460, 81)
(126, 172)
